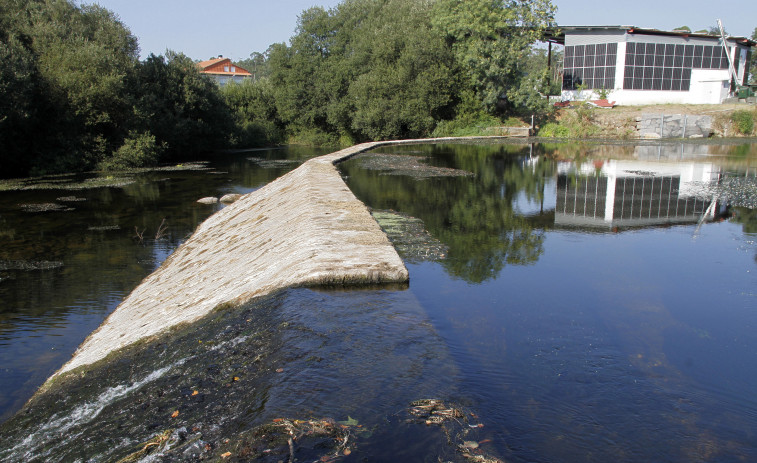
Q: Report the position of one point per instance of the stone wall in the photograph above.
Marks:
(673, 126)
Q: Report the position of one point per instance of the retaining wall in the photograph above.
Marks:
(673, 126)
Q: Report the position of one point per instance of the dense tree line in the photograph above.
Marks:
(74, 95)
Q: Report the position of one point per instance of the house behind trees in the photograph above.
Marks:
(222, 70)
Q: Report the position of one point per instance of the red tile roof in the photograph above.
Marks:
(216, 66)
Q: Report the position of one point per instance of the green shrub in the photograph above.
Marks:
(313, 137)
(468, 125)
(743, 121)
(554, 130)
(138, 150)
(512, 122)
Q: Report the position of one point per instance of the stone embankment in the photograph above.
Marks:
(673, 126)
(304, 228)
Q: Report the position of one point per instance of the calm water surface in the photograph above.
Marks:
(62, 272)
(587, 304)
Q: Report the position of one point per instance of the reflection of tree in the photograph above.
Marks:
(746, 217)
(473, 216)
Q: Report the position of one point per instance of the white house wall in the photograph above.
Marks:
(707, 86)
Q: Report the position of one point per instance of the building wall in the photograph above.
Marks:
(693, 81)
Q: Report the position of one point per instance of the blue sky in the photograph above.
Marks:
(236, 28)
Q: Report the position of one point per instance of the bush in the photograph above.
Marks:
(138, 150)
(313, 137)
(468, 125)
(743, 122)
(553, 130)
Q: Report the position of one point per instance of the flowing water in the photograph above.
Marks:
(569, 303)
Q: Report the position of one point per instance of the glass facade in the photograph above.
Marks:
(590, 66)
(657, 66)
(648, 66)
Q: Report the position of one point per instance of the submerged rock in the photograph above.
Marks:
(230, 198)
(413, 166)
(208, 200)
(45, 207)
(28, 265)
(409, 236)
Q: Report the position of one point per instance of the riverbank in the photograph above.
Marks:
(583, 121)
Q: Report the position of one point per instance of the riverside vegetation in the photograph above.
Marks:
(74, 95)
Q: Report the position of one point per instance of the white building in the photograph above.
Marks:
(649, 66)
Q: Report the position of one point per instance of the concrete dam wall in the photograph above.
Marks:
(304, 228)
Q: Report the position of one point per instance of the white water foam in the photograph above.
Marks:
(57, 426)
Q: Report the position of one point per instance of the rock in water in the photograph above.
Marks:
(230, 198)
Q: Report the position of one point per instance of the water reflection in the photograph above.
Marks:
(606, 346)
(46, 312)
(571, 342)
(612, 194)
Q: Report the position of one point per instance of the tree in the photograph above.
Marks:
(73, 64)
(254, 109)
(490, 38)
(181, 108)
(406, 77)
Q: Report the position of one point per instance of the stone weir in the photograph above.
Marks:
(305, 228)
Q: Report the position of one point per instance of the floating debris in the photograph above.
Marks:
(45, 207)
(199, 165)
(153, 445)
(413, 166)
(409, 236)
(70, 199)
(104, 228)
(28, 265)
(323, 440)
(274, 163)
(455, 424)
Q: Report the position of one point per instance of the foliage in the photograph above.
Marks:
(66, 86)
(383, 69)
(554, 130)
(184, 110)
(602, 93)
(743, 121)
(254, 110)
(72, 87)
(578, 122)
(138, 150)
(466, 125)
(490, 40)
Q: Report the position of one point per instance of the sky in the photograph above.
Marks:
(236, 28)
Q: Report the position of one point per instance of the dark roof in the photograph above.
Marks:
(557, 34)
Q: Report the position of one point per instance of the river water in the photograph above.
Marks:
(572, 303)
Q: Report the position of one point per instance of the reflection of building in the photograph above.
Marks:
(633, 194)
